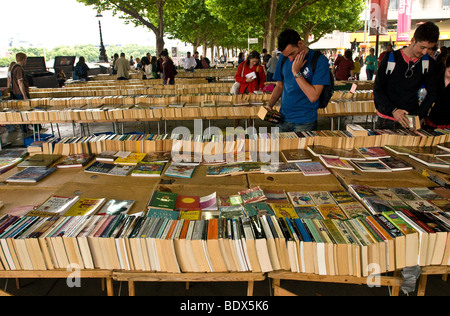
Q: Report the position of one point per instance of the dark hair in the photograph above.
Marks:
(264, 50)
(427, 32)
(253, 54)
(348, 54)
(164, 53)
(122, 54)
(145, 61)
(288, 37)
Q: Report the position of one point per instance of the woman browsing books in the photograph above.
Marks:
(250, 74)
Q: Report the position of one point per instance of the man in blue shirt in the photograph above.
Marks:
(297, 86)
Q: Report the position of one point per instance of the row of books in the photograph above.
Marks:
(239, 142)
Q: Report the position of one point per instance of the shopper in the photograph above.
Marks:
(297, 86)
(82, 69)
(122, 67)
(265, 58)
(439, 116)
(389, 49)
(357, 68)
(147, 68)
(168, 68)
(343, 68)
(198, 63)
(400, 77)
(272, 65)
(371, 64)
(250, 74)
(189, 62)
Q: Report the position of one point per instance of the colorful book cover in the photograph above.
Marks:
(84, 207)
(281, 168)
(371, 166)
(223, 170)
(276, 196)
(192, 214)
(164, 200)
(259, 208)
(405, 194)
(187, 202)
(300, 199)
(252, 195)
(100, 167)
(57, 204)
(158, 156)
(331, 211)
(361, 191)
(121, 170)
(131, 160)
(314, 168)
(377, 205)
(31, 174)
(148, 169)
(422, 206)
(354, 210)
(322, 197)
(236, 211)
(308, 212)
(398, 222)
(337, 163)
(425, 193)
(342, 197)
(180, 170)
(284, 210)
(395, 164)
(442, 204)
(155, 212)
(373, 152)
(209, 202)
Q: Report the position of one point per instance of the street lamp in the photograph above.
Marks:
(103, 57)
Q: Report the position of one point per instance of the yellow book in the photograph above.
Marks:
(283, 210)
(85, 206)
(131, 160)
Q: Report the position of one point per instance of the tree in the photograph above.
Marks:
(149, 13)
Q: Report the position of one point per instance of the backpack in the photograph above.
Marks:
(79, 72)
(328, 90)
(391, 63)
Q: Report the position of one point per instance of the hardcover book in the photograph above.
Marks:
(165, 200)
(31, 175)
(187, 202)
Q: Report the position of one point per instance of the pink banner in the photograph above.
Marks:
(404, 20)
(378, 17)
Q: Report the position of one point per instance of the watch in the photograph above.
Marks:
(298, 74)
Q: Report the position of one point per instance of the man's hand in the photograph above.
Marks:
(298, 62)
(399, 115)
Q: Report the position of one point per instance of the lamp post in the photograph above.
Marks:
(103, 57)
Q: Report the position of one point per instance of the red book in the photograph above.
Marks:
(187, 202)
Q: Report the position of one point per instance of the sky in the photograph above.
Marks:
(50, 23)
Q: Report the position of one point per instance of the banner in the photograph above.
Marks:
(378, 17)
(404, 20)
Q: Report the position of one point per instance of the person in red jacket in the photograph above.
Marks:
(250, 74)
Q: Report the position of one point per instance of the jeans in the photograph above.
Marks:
(269, 77)
(297, 127)
(370, 73)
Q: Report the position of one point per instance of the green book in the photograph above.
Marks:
(164, 200)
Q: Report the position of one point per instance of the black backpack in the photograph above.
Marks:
(328, 90)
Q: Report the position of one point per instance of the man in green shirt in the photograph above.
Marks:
(371, 64)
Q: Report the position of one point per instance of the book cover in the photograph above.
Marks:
(377, 205)
(252, 195)
(131, 160)
(342, 197)
(422, 206)
(370, 166)
(187, 202)
(425, 193)
(39, 160)
(258, 208)
(405, 194)
(57, 204)
(429, 150)
(75, 161)
(180, 170)
(442, 204)
(348, 154)
(272, 116)
(148, 169)
(324, 151)
(354, 210)
(276, 196)
(300, 199)
(314, 168)
(308, 212)
(230, 200)
(107, 156)
(158, 156)
(236, 211)
(31, 175)
(331, 211)
(361, 191)
(395, 164)
(155, 212)
(191, 214)
(121, 170)
(295, 155)
(99, 167)
(430, 161)
(85, 206)
(284, 210)
(399, 150)
(337, 163)
(223, 170)
(322, 197)
(281, 168)
(165, 200)
(209, 202)
(373, 152)
(116, 207)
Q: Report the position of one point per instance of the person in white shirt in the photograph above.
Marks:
(189, 62)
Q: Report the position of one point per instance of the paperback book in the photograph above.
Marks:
(322, 197)
(252, 195)
(395, 164)
(116, 207)
(39, 160)
(354, 210)
(31, 175)
(100, 168)
(131, 160)
(148, 169)
(310, 212)
(164, 200)
(180, 170)
(370, 166)
(336, 163)
(85, 206)
(331, 211)
(56, 204)
(430, 161)
(373, 152)
(75, 161)
(295, 155)
(107, 156)
(314, 168)
(300, 199)
(121, 170)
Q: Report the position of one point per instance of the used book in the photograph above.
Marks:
(371, 166)
(56, 204)
(75, 161)
(272, 116)
(85, 206)
(180, 170)
(131, 160)
(39, 160)
(148, 169)
(313, 168)
(295, 155)
(116, 207)
(31, 175)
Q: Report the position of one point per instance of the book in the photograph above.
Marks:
(209, 202)
(413, 121)
(295, 155)
(158, 156)
(371, 166)
(422, 206)
(107, 156)
(356, 130)
(405, 194)
(190, 214)
(75, 161)
(99, 167)
(120, 170)
(319, 150)
(31, 175)
(314, 168)
(163, 200)
(116, 207)
(281, 168)
(307, 212)
(395, 164)
(276, 196)
(425, 193)
(155, 212)
(272, 116)
(429, 160)
(223, 170)
(148, 169)
(56, 204)
(377, 205)
(85, 206)
(354, 210)
(322, 197)
(187, 202)
(180, 170)
(252, 195)
(258, 209)
(336, 163)
(300, 199)
(236, 211)
(361, 191)
(342, 197)
(39, 160)
(331, 211)
(373, 152)
(131, 160)
(284, 210)
(441, 204)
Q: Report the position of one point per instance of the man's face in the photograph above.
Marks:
(421, 48)
(291, 51)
